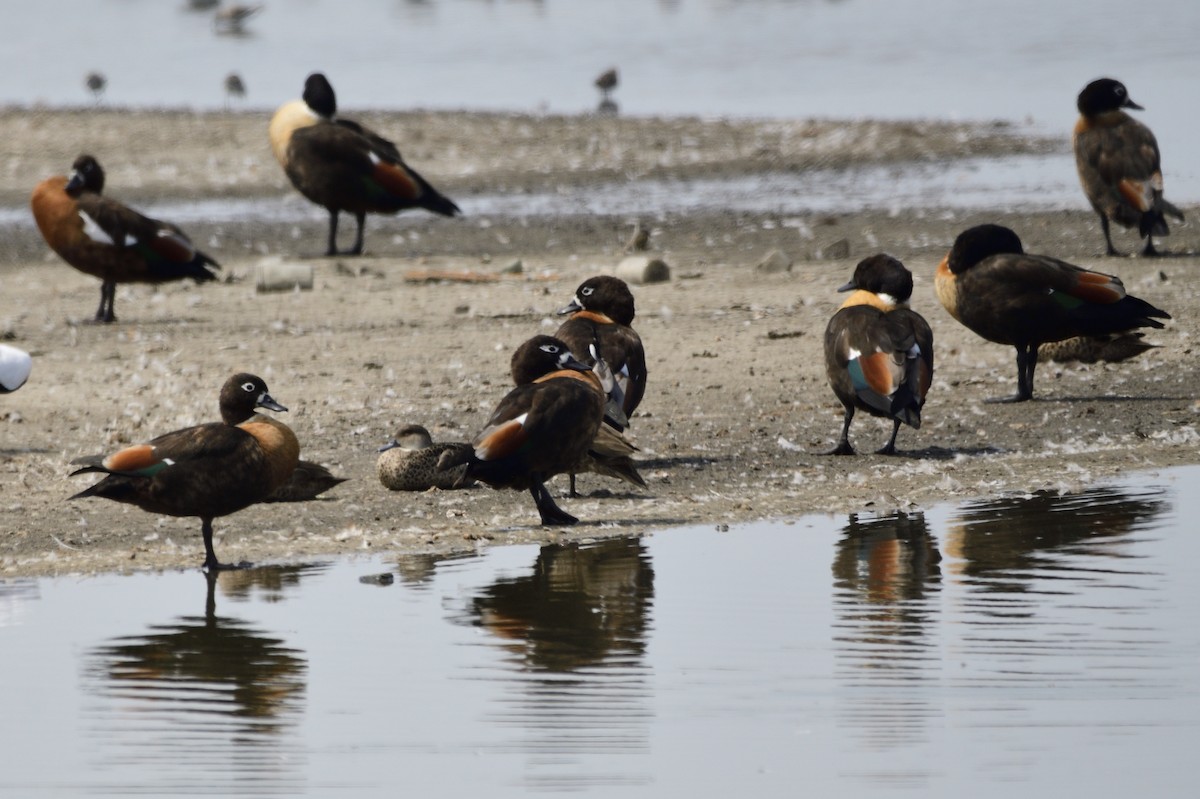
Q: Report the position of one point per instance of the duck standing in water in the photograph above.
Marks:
(342, 166)
(541, 428)
(1119, 164)
(208, 471)
(879, 352)
(104, 238)
(989, 283)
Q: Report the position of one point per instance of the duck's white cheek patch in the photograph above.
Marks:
(94, 232)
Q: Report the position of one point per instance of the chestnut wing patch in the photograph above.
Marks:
(1136, 193)
(395, 179)
(140, 459)
(875, 377)
(172, 246)
(1097, 288)
(501, 440)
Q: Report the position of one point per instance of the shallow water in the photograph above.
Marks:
(1029, 183)
(771, 58)
(1041, 644)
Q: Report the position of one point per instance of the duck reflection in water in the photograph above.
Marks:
(574, 633)
(887, 576)
(886, 559)
(581, 606)
(1002, 542)
(198, 667)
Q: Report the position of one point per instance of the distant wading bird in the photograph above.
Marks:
(235, 87)
(878, 352)
(992, 286)
(208, 471)
(342, 166)
(96, 83)
(1118, 162)
(104, 238)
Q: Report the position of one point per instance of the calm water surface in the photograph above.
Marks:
(1038, 646)
(1017, 60)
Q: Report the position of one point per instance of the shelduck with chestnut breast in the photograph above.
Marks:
(879, 352)
(208, 471)
(342, 166)
(541, 428)
(104, 238)
(1119, 164)
(989, 283)
(601, 315)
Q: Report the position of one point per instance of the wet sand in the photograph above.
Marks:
(737, 411)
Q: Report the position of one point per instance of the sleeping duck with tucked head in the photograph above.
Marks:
(992, 286)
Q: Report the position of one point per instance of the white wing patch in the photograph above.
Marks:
(99, 235)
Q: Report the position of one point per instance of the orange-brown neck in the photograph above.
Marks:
(588, 378)
(864, 297)
(595, 316)
(946, 287)
(278, 443)
(53, 208)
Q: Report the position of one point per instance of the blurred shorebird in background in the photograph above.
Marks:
(231, 20)
(96, 83)
(235, 88)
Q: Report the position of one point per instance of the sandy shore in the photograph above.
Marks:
(738, 407)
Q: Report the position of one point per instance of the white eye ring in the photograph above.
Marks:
(248, 387)
(587, 292)
(551, 348)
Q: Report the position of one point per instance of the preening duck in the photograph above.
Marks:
(104, 238)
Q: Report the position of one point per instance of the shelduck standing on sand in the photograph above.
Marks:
(989, 283)
(879, 352)
(210, 470)
(342, 166)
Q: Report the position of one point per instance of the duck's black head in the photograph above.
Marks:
(542, 355)
(319, 96)
(242, 394)
(604, 294)
(86, 175)
(882, 274)
(982, 241)
(1103, 95)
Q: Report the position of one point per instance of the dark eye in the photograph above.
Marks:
(248, 388)
(587, 292)
(550, 348)
(1120, 90)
